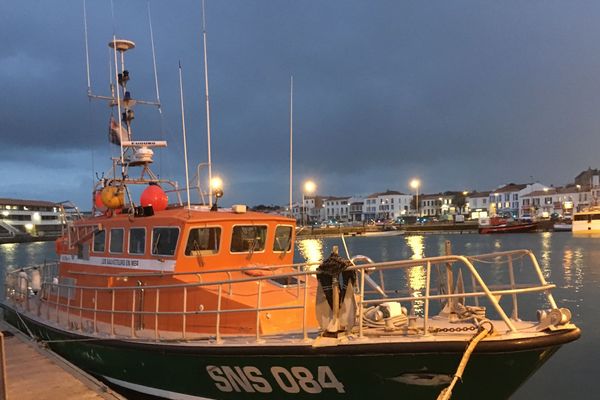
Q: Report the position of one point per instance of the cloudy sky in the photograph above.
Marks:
(462, 94)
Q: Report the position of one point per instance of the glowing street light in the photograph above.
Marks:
(415, 183)
(309, 187)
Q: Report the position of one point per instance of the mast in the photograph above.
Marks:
(207, 105)
(291, 136)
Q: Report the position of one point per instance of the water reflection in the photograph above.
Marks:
(417, 275)
(546, 254)
(312, 251)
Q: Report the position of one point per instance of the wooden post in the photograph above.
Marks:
(3, 383)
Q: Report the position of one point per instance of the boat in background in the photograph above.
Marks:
(587, 221)
(563, 226)
(504, 225)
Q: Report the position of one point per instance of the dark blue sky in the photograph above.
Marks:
(462, 94)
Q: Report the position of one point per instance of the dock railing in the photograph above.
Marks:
(134, 311)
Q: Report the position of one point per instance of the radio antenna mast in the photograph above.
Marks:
(207, 105)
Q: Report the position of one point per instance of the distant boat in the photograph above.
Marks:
(563, 227)
(587, 221)
(503, 225)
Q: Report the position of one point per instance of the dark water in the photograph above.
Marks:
(572, 263)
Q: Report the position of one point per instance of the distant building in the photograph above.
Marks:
(29, 217)
(588, 179)
(543, 203)
(506, 199)
(477, 204)
(337, 208)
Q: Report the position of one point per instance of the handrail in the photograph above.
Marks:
(63, 297)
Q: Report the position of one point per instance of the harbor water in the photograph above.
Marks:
(572, 263)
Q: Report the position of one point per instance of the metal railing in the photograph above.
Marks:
(126, 308)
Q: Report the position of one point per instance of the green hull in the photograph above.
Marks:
(398, 371)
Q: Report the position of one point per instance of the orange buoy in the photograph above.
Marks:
(154, 196)
(98, 201)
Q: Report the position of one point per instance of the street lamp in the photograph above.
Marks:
(309, 187)
(415, 183)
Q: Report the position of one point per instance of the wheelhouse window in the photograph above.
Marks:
(164, 241)
(116, 240)
(203, 241)
(137, 241)
(99, 241)
(283, 239)
(247, 239)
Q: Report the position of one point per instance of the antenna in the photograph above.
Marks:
(207, 105)
(291, 136)
(154, 60)
(187, 178)
(87, 52)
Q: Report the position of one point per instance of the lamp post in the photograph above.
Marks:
(309, 187)
(415, 183)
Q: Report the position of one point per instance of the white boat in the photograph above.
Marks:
(587, 221)
(563, 227)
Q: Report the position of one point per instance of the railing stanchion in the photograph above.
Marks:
(361, 305)
(95, 311)
(57, 304)
(304, 327)
(511, 273)
(68, 307)
(258, 300)
(80, 309)
(427, 294)
(133, 313)
(184, 316)
(112, 313)
(219, 313)
(156, 314)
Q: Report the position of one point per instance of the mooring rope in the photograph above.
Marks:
(485, 328)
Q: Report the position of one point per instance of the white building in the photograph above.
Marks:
(337, 208)
(507, 199)
(477, 204)
(563, 201)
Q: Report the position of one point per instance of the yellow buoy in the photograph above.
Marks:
(113, 197)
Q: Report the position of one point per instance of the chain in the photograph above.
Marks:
(453, 330)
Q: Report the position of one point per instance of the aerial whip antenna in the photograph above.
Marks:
(87, 52)
(291, 135)
(154, 59)
(207, 105)
(187, 178)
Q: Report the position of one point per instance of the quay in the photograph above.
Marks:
(31, 372)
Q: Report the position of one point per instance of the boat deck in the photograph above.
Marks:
(36, 373)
